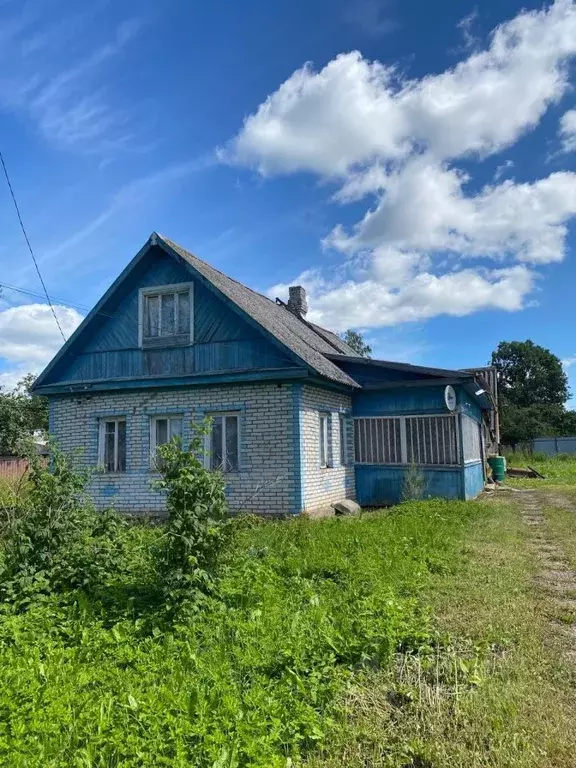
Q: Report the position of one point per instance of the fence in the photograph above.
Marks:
(551, 446)
(12, 467)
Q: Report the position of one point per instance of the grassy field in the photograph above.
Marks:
(558, 470)
(406, 639)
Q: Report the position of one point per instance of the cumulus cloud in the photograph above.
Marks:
(30, 338)
(354, 110)
(372, 303)
(423, 207)
(377, 134)
(567, 130)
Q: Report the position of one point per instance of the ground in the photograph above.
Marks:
(434, 635)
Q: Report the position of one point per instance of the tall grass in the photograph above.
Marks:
(254, 678)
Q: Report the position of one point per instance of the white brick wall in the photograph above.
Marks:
(322, 486)
(267, 482)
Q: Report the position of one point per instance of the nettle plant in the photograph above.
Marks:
(198, 529)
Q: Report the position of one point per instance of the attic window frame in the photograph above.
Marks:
(176, 339)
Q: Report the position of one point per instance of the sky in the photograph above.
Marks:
(413, 165)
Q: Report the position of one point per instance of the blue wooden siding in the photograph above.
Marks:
(401, 401)
(370, 374)
(382, 485)
(473, 480)
(468, 405)
(223, 341)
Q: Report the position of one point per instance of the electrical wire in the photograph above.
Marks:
(23, 228)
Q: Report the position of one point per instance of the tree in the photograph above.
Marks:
(355, 340)
(21, 414)
(530, 374)
(533, 390)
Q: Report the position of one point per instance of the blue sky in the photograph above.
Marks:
(414, 166)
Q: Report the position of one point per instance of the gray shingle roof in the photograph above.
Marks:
(300, 337)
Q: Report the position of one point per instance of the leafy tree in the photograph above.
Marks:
(533, 390)
(355, 340)
(530, 374)
(21, 414)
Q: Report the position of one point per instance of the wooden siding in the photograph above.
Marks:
(473, 480)
(223, 341)
(401, 401)
(382, 486)
(371, 374)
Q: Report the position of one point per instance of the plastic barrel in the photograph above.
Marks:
(498, 464)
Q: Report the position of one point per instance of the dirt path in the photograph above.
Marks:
(556, 579)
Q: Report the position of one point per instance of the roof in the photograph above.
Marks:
(310, 343)
(408, 367)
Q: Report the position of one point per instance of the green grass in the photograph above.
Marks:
(558, 470)
(498, 694)
(408, 638)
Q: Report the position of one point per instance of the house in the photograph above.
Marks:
(299, 421)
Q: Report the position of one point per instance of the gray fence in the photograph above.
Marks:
(553, 445)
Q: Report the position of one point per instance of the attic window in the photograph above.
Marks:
(166, 315)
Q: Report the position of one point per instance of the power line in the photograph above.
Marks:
(29, 246)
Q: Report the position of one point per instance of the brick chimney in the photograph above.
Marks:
(297, 300)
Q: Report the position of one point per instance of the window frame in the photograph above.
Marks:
(151, 342)
(161, 417)
(102, 444)
(208, 446)
(343, 436)
(404, 448)
(323, 439)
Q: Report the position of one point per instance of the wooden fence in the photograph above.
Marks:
(12, 467)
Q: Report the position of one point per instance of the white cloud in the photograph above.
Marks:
(567, 131)
(423, 208)
(371, 303)
(378, 134)
(30, 337)
(568, 362)
(354, 110)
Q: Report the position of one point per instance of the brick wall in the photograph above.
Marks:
(322, 486)
(267, 482)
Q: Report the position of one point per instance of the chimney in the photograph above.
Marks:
(297, 300)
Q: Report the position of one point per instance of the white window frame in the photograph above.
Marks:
(102, 444)
(160, 417)
(161, 290)
(323, 439)
(208, 447)
(403, 437)
(343, 436)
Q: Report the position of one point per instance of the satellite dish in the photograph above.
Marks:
(450, 397)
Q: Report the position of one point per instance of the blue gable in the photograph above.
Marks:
(107, 349)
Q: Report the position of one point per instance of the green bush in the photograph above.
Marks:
(55, 540)
(197, 528)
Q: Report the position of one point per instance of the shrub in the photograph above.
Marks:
(197, 529)
(414, 484)
(56, 540)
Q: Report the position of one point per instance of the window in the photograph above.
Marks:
(424, 440)
(432, 440)
(471, 440)
(343, 441)
(224, 442)
(112, 449)
(323, 439)
(377, 441)
(166, 315)
(162, 430)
